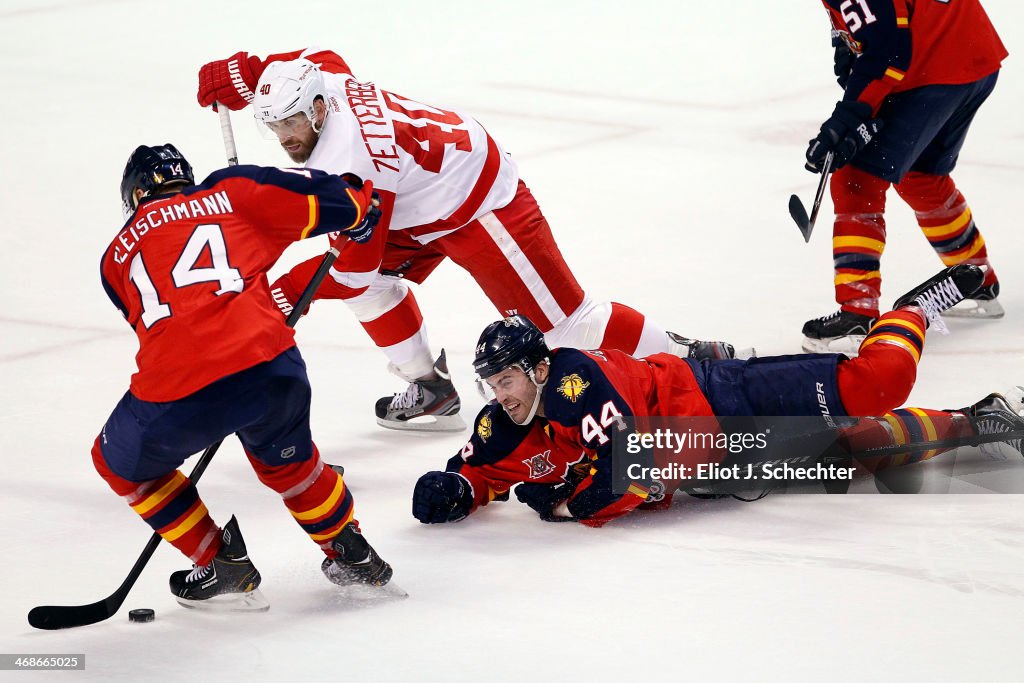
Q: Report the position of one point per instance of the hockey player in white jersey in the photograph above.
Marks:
(447, 189)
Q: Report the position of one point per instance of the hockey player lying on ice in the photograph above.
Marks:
(551, 426)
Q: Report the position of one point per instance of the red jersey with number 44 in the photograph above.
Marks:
(188, 271)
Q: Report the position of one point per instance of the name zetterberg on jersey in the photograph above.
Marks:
(216, 204)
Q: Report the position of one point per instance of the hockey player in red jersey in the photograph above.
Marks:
(188, 272)
(448, 190)
(914, 75)
(551, 426)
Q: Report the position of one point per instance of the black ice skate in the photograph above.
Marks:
(841, 332)
(943, 291)
(999, 414)
(358, 566)
(981, 304)
(426, 405)
(230, 582)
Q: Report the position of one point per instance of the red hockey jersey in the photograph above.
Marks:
(585, 394)
(188, 271)
(905, 44)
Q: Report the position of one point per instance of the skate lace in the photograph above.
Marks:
(938, 298)
(198, 573)
(407, 399)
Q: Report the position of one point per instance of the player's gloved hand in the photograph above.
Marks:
(285, 294)
(843, 62)
(704, 350)
(544, 498)
(367, 201)
(441, 497)
(231, 82)
(847, 132)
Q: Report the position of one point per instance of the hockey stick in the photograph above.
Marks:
(796, 207)
(228, 135)
(53, 617)
(940, 444)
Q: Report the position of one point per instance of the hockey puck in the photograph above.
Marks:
(141, 616)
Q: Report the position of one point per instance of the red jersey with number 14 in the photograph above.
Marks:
(188, 271)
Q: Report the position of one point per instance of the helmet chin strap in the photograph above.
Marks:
(536, 400)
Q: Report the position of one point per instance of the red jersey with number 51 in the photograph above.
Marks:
(188, 271)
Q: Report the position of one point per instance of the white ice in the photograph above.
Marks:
(663, 140)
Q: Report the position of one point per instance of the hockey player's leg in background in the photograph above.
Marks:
(386, 308)
(924, 131)
(943, 214)
(858, 240)
(512, 254)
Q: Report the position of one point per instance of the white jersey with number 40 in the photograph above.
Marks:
(441, 167)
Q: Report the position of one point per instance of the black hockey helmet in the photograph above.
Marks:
(514, 341)
(150, 168)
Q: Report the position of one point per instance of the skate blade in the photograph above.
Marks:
(848, 345)
(363, 592)
(987, 309)
(253, 601)
(427, 423)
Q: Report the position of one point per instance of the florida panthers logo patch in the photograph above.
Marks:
(572, 387)
(484, 428)
(540, 465)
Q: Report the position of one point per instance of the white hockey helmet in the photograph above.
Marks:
(288, 88)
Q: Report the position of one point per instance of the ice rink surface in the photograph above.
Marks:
(662, 141)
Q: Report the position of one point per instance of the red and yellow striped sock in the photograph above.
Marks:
(946, 220)
(315, 495)
(858, 239)
(171, 506)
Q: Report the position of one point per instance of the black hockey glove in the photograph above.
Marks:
(441, 497)
(847, 132)
(544, 498)
(843, 62)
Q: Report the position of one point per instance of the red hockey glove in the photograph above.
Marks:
(230, 81)
(285, 294)
(367, 201)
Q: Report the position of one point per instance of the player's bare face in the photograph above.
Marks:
(296, 136)
(515, 392)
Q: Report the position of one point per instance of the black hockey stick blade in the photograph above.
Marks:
(54, 617)
(796, 207)
(799, 214)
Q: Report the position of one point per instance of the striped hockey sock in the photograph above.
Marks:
(171, 506)
(314, 494)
